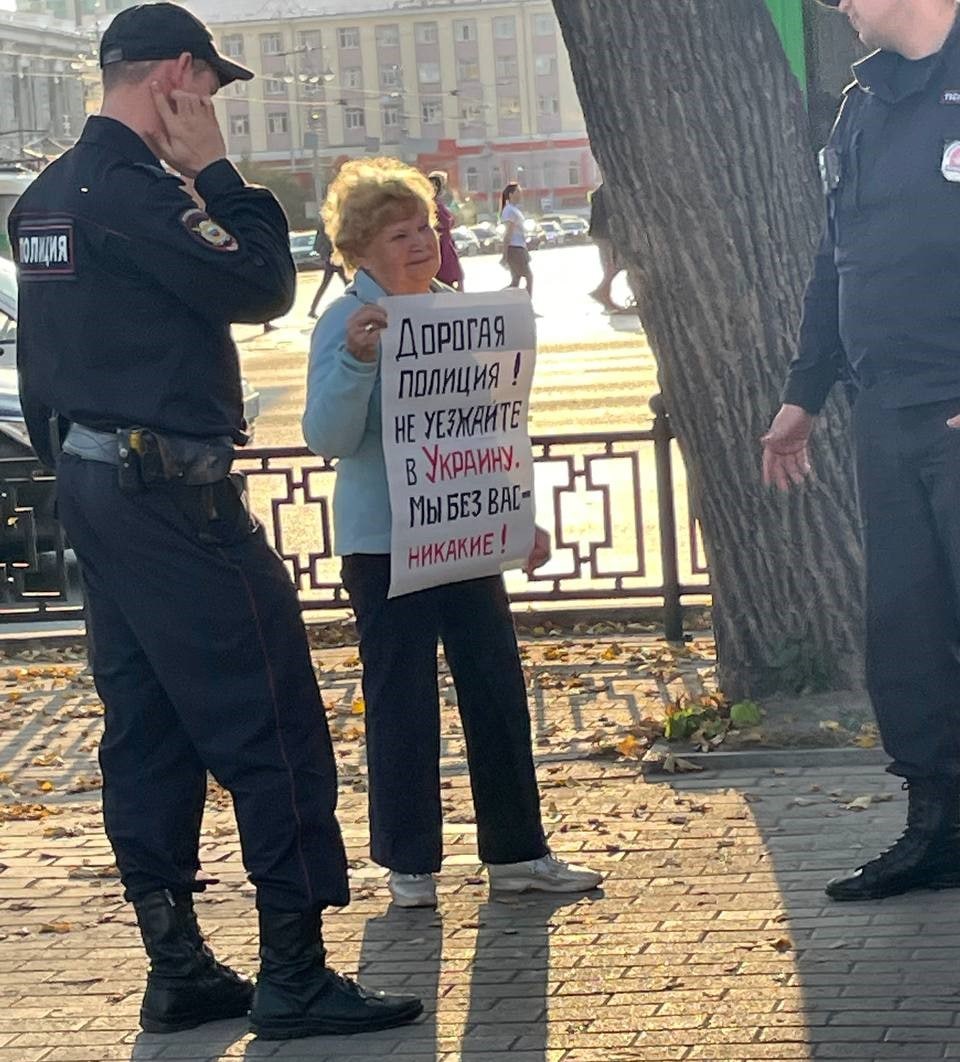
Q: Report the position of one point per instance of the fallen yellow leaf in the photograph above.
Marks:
(45, 786)
(358, 706)
(629, 747)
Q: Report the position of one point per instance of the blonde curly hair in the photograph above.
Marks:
(365, 196)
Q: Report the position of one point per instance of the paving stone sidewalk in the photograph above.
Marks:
(711, 938)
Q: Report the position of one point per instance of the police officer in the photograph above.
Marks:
(883, 307)
(128, 288)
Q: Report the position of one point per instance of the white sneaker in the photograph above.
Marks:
(547, 874)
(412, 890)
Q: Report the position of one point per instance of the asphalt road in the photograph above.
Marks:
(594, 372)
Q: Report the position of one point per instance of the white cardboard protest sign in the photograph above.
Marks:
(456, 372)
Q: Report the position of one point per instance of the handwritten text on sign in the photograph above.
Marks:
(456, 376)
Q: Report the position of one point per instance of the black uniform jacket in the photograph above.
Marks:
(885, 291)
(128, 289)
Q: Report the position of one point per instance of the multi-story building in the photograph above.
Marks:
(43, 62)
(479, 88)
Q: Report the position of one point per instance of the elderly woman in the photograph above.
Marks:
(380, 216)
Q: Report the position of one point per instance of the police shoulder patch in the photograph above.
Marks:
(44, 248)
(205, 230)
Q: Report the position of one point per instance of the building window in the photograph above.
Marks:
(239, 125)
(473, 179)
(428, 73)
(426, 32)
(471, 113)
(507, 68)
(273, 86)
(573, 173)
(349, 37)
(509, 106)
(545, 65)
(468, 70)
(311, 87)
(391, 117)
(352, 77)
(390, 76)
(388, 36)
(271, 44)
(309, 40)
(465, 30)
(232, 45)
(353, 118)
(239, 88)
(544, 25)
(277, 122)
(548, 105)
(505, 28)
(431, 112)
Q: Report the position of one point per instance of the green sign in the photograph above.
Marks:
(788, 18)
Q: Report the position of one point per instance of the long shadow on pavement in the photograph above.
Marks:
(764, 964)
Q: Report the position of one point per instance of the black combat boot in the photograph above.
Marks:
(298, 995)
(927, 855)
(186, 986)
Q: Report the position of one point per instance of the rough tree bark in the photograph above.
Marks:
(700, 130)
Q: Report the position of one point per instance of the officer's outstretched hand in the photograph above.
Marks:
(363, 332)
(785, 459)
(189, 138)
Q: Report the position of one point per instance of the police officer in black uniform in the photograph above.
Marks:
(130, 385)
(883, 308)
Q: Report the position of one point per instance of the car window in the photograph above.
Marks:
(8, 333)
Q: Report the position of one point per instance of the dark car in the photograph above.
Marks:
(301, 248)
(487, 237)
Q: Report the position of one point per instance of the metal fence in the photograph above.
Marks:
(613, 504)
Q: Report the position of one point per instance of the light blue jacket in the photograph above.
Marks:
(342, 421)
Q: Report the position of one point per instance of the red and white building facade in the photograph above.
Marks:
(479, 88)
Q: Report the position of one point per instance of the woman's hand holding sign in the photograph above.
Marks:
(540, 553)
(363, 332)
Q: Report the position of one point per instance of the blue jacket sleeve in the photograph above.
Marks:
(339, 386)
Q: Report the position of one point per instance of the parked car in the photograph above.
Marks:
(301, 248)
(553, 234)
(487, 237)
(465, 241)
(576, 230)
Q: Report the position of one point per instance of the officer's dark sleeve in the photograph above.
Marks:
(242, 271)
(816, 367)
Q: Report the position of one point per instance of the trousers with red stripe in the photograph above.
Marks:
(200, 657)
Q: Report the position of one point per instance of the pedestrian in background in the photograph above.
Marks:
(515, 253)
(881, 309)
(331, 269)
(451, 269)
(600, 234)
(380, 216)
(196, 640)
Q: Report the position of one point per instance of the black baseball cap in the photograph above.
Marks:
(164, 31)
(829, 3)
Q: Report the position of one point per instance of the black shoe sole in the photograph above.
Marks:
(936, 884)
(298, 1029)
(193, 1021)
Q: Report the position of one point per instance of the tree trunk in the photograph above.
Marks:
(700, 130)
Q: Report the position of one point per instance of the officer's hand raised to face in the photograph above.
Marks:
(189, 138)
(785, 458)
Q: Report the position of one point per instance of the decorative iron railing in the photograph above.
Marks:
(613, 504)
